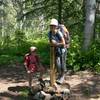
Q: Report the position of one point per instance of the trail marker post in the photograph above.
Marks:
(52, 66)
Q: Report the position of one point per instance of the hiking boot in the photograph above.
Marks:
(60, 80)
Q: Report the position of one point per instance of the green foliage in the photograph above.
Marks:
(84, 60)
(20, 42)
(19, 37)
(96, 46)
(20, 45)
(25, 24)
(74, 50)
(77, 60)
(10, 59)
(43, 50)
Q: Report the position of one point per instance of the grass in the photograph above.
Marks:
(10, 59)
(14, 54)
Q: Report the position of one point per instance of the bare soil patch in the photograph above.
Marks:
(85, 85)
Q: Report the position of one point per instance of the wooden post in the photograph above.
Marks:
(52, 65)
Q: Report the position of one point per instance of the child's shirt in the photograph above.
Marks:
(31, 62)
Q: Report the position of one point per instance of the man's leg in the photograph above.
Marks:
(64, 60)
(63, 66)
(58, 65)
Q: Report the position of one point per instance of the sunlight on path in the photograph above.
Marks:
(4, 85)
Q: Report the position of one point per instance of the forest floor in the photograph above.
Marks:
(13, 80)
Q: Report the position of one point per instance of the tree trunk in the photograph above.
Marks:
(20, 21)
(2, 20)
(90, 8)
(97, 33)
(59, 10)
(3, 23)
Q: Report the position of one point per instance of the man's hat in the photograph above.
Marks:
(54, 22)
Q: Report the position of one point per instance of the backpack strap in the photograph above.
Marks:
(64, 31)
(56, 37)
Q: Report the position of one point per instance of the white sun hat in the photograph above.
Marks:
(33, 48)
(54, 22)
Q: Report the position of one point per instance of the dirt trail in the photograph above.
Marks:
(84, 85)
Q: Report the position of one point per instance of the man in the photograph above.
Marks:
(56, 39)
(66, 36)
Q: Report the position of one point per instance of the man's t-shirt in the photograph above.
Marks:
(57, 37)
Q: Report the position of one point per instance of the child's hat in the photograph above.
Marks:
(33, 48)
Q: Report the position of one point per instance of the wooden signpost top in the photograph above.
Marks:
(52, 66)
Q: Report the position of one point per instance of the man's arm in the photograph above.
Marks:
(54, 42)
(62, 42)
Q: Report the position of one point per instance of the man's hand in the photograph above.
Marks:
(67, 45)
(54, 42)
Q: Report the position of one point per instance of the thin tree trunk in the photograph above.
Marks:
(24, 19)
(20, 23)
(2, 24)
(59, 10)
(2, 20)
(89, 23)
(97, 34)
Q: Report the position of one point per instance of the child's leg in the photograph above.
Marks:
(30, 79)
(41, 75)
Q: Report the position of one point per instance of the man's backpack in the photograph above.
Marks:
(65, 32)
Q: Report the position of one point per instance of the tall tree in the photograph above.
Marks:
(90, 8)
(97, 26)
(60, 10)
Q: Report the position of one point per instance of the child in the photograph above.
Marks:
(32, 65)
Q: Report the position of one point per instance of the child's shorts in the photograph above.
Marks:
(32, 68)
